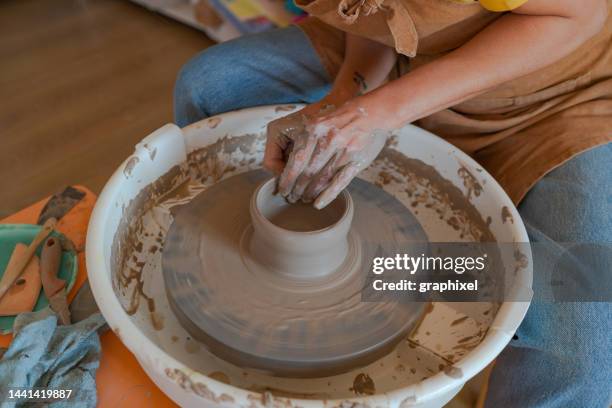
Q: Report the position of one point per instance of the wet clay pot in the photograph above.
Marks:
(298, 240)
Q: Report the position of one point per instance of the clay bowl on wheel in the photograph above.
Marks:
(451, 197)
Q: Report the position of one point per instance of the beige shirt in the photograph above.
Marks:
(518, 131)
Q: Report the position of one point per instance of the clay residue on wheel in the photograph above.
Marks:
(191, 346)
(129, 166)
(279, 392)
(453, 372)
(203, 167)
(220, 376)
(188, 384)
(520, 260)
(207, 165)
(459, 321)
(468, 343)
(227, 155)
(284, 108)
(157, 319)
(506, 215)
(363, 385)
(470, 182)
(427, 188)
(132, 243)
(213, 122)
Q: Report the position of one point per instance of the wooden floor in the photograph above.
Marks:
(81, 81)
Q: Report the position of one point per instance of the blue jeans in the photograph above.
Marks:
(561, 355)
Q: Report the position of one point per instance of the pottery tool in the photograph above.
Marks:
(53, 286)
(22, 296)
(278, 287)
(55, 289)
(57, 206)
(60, 203)
(12, 272)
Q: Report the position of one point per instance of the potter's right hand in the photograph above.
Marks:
(287, 134)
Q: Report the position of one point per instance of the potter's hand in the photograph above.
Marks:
(330, 150)
(282, 135)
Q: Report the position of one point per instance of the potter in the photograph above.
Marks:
(522, 86)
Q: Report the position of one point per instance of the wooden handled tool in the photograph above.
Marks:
(53, 286)
(13, 273)
(49, 266)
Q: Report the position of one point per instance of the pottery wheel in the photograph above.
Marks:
(284, 325)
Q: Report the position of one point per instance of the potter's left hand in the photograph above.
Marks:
(340, 143)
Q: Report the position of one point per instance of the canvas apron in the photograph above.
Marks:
(518, 131)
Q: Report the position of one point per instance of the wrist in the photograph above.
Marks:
(380, 110)
(338, 97)
(343, 91)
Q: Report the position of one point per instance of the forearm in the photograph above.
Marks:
(366, 65)
(515, 45)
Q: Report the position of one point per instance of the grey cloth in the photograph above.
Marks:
(46, 355)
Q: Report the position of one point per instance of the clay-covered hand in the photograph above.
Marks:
(329, 150)
(282, 135)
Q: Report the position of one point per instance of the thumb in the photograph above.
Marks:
(274, 157)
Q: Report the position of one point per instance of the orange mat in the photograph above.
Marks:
(121, 382)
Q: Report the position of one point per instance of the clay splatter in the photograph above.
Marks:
(363, 385)
(506, 215)
(213, 122)
(191, 345)
(134, 275)
(385, 178)
(129, 166)
(427, 188)
(459, 321)
(453, 372)
(284, 108)
(152, 152)
(220, 376)
(198, 388)
(278, 392)
(157, 319)
(469, 182)
(520, 261)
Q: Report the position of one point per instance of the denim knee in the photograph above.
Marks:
(590, 347)
(580, 344)
(199, 86)
(571, 203)
(559, 358)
